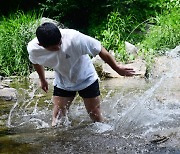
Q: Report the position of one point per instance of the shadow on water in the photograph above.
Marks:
(141, 117)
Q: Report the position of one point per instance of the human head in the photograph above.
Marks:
(48, 35)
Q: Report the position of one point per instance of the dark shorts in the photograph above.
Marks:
(89, 92)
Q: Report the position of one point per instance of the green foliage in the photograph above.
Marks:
(164, 5)
(165, 34)
(116, 30)
(144, 8)
(111, 21)
(132, 24)
(76, 14)
(161, 36)
(15, 33)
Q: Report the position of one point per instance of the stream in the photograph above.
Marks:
(142, 116)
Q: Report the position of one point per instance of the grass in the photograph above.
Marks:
(114, 33)
(165, 34)
(15, 32)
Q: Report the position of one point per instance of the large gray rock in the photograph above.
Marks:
(105, 71)
(44, 19)
(7, 93)
(131, 49)
(34, 78)
(48, 75)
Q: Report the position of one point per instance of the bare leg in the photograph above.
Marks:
(93, 108)
(61, 105)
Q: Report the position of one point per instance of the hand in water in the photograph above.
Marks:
(44, 85)
(123, 71)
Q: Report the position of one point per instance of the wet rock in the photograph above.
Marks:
(159, 139)
(104, 70)
(139, 67)
(160, 66)
(1, 77)
(7, 80)
(3, 85)
(166, 137)
(168, 63)
(8, 94)
(48, 75)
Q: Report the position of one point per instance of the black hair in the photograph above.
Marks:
(48, 34)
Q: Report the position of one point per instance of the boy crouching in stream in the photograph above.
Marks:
(67, 52)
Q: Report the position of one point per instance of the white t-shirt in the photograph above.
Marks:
(73, 67)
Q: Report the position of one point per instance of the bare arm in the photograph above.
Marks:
(104, 54)
(40, 70)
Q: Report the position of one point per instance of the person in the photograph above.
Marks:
(68, 52)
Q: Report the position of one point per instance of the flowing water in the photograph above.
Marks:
(142, 116)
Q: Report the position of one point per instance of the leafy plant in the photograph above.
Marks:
(165, 34)
(15, 33)
(116, 31)
(75, 14)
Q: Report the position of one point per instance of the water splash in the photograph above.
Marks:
(124, 112)
(25, 112)
(100, 128)
(144, 109)
(130, 117)
(133, 117)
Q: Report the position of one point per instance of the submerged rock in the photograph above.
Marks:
(159, 139)
(105, 71)
(8, 94)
